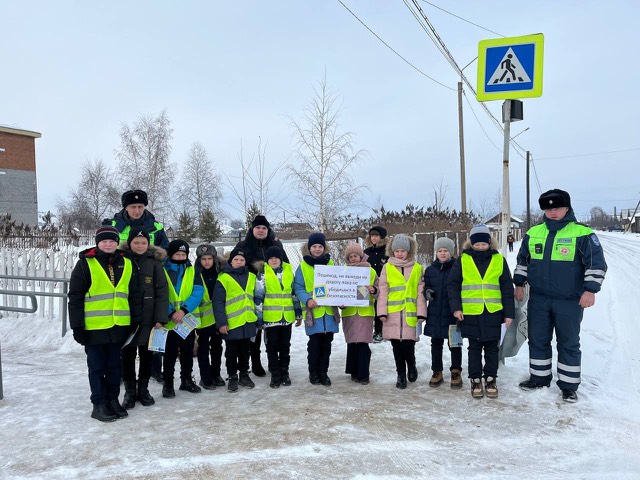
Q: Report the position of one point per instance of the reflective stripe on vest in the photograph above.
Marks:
(205, 310)
(239, 305)
(278, 302)
(124, 234)
(104, 304)
(368, 311)
(307, 274)
(564, 243)
(478, 292)
(186, 288)
(403, 294)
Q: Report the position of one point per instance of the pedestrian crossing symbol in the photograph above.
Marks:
(320, 291)
(510, 68)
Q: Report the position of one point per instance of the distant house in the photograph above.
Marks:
(293, 230)
(496, 222)
(18, 183)
(630, 219)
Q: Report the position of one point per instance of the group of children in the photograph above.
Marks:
(473, 293)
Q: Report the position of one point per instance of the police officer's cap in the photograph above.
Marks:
(555, 198)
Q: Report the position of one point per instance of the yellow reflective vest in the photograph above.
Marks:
(205, 310)
(239, 305)
(403, 295)
(478, 292)
(124, 234)
(307, 274)
(106, 305)
(369, 310)
(176, 299)
(278, 302)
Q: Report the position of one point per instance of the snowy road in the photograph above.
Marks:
(345, 431)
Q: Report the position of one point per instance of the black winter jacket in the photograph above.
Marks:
(255, 249)
(486, 326)
(240, 275)
(439, 315)
(377, 256)
(147, 220)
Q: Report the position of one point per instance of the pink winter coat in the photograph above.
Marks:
(395, 326)
(359, 329)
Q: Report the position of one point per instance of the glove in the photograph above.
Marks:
(79, 336)
(429, 295)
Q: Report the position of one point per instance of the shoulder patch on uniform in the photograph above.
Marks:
(595, 240)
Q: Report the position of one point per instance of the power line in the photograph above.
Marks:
(463, 19)
(480, 124)
(590, 154)
(391, 48)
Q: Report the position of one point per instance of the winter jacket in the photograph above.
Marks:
(79, 285)
(176, 271)
(358, 328)
(565, 271)
(439, 316)
(260, 292)
(240, 275)
(121, 221)
(149, 293)
(326, 323)
(376, 254)
(486, 326)
(394, 324)
(255, 249)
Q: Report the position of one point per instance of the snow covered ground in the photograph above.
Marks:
(345, 431)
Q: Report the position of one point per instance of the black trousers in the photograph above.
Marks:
(319, 352)
(255, 348)
(129, 362)
(156, 363)
(278, 342)
(491, 349)
(377, 323)
(176, 344)
(437, 345)
(511, 247)
(358, 360)
(404, 353)
(105, 372)
(209, 353)
(237, 354)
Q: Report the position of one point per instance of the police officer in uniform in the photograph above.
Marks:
(564, 265)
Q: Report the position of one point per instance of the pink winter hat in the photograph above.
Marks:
(353, 247)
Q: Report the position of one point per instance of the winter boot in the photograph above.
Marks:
(144, 397)
(218, 381)
(246, 381)
(116, 408)
(207, 385)
(401, 383)
(167, 389)
(129, 400)
(436, 379)
(569, 396)
(324, 379)
(530, 385)
(412, 373)
(490, 387)
(232, 386)
(286, 380)
(189, 385)
(476, 388)
(276, 380)
(103, 414)
(456, 379)
(314, 378)
(256, 365)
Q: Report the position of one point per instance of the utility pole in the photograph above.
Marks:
(506, 207)
(463, 185)
(528, 191)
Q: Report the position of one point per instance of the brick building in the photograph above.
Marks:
(18, 185)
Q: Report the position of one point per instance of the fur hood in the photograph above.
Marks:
(157, 252)
(413, 248)
(382, 243)
(494, 244)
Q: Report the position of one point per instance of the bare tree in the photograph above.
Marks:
(324, 159)
(143, 158)
(488, 207)
(440, 195)
(201, 187)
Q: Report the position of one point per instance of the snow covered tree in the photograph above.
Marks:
(200, 190)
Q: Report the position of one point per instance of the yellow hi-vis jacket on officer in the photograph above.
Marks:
(276, 304)
(233, 303)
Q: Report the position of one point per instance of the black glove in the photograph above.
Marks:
(429, 295)
(79, 336)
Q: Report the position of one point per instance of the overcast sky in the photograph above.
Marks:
(228, 72)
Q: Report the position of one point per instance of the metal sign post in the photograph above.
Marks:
(506, 207)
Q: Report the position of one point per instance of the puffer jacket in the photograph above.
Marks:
(439, 316)
(376, 254)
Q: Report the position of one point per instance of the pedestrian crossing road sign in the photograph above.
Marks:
(510, 68)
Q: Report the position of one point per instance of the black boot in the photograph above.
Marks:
(286, 380)
(245, 380)
(401, 383)
(189, 385)
(167, 389)
(324, 379)
(314, 378)
(412, 373)
(233, 383)
(218, 381)
(103, 414)
(116, 408)
(144, 397)
(256, 366)
(276, 380)
(129, 400)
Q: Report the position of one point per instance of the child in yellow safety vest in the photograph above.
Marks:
(401, 305)
(277, 308)
(185, 295)
(234, 310)
(208, 266)
(481, 298)
(357, 322)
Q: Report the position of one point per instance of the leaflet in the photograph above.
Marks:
(189, 322)
(455, 336)
(158, 339)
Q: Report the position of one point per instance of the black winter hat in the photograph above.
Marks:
(137, 232)
(555, 198)
(134, 196)
(178, 245)
(107, 233)
(206, 249)
(273, 251)
(379, 230)
(260, 220)
(317, 238)
(235, 252)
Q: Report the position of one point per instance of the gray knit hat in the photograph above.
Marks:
(480, 233)
(400, 241)
(444, 242)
